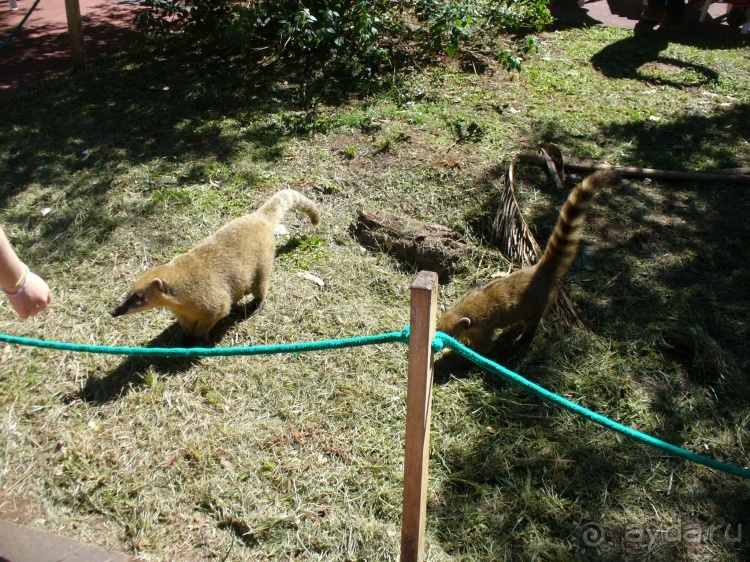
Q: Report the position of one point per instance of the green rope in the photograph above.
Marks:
(389, 337)
(440, 342)
(444, 340)
(18, 27)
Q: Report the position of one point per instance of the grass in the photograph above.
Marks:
(300, 457)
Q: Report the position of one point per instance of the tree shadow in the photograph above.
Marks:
(626, 58)
(692, 304)
(581, 468)
(146, 109)
(42, 50)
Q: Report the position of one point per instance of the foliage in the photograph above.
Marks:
(451, 25)
(361, 34)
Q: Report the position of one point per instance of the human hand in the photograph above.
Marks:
(34, 297)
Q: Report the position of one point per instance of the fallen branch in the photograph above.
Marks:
(738, 175)
(424, 245)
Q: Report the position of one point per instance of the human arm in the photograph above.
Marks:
(27, 292)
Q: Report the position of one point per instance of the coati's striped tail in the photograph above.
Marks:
(563, 244)
(277, 206)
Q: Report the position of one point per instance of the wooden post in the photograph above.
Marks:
(75, 30)
(418, 412)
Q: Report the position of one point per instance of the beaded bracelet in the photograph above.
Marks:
(23, 284)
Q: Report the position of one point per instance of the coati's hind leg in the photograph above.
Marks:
(259, 287)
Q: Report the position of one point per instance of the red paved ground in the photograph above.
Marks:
(41, 49)
(626, 14)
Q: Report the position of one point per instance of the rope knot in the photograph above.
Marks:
(406, 334)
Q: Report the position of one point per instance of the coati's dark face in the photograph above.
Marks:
(466, 320)
(454, 324)
(143, 296)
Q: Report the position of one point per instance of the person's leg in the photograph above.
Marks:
(654, 10)
(675, 8)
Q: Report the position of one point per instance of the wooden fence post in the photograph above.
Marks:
(75, 30)
(418, 412)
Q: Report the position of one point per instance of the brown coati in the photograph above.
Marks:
(201, 286)
(523, 297)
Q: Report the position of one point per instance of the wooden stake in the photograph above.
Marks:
(418, 412)
(75, 30)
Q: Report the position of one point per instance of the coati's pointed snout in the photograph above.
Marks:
(119, 310)
(123, 308)
(134, 302)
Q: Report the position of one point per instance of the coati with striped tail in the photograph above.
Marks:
(524, 296)
(200, 286)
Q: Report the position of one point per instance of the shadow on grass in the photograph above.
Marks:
(514, 497)
(628, 57)
(694, 234)
(664, 273)
(132, 371)
(145, 109)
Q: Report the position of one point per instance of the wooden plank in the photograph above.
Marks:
(418, 413)
(24, 544)
(75, 30)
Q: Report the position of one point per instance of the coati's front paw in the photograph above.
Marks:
(197, 329)
(525, 338)
(258, 305)
(191, 340)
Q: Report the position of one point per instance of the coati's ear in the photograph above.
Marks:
(464, 322)
(158, 283)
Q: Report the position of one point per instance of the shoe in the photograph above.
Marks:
(653, 14)
(671, 21)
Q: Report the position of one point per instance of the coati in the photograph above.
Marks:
(200, 286)
(524, 296)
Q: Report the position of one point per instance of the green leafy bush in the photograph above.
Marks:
(322, 33)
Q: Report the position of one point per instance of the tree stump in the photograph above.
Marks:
(421, 245)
